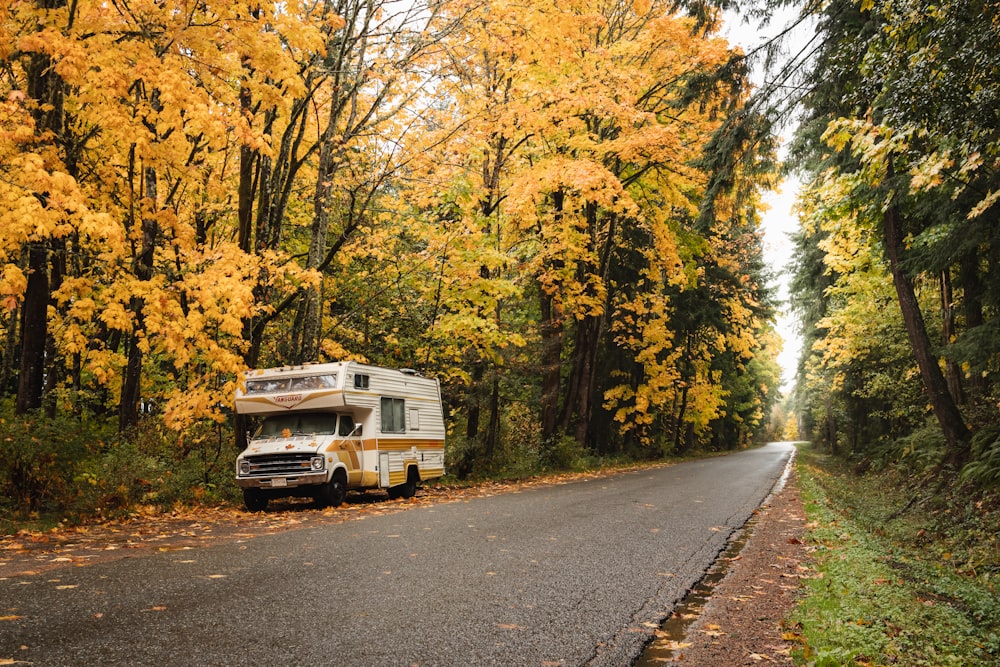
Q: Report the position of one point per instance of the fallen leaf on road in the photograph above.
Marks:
(10, 618)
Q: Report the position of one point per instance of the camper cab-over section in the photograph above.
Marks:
(328, 428)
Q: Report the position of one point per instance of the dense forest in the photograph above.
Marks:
(897, 272)
(553, 206)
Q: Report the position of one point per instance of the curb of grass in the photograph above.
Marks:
(875, 598)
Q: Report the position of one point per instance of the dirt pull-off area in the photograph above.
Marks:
(736, 618)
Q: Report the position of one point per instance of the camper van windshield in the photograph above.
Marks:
(284, 384)
(298, 424)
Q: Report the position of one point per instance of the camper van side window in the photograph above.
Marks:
(393, 415)
(360, 381)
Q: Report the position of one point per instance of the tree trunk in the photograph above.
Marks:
(312, 321)
(128, 409)
(831, 427)
(10, 354)
(972, 302)
(551, 333)
(53, 375)
(953, 374)
(248, 163)
(493, 430)
(551, 330)
(679, 445)
(34, 330)
(578, 410)
(473, 401)
(949, 418)
(45, 87)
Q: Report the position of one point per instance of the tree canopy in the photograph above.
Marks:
(545, 204)
(900, 150)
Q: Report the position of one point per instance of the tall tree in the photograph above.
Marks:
(45, 89)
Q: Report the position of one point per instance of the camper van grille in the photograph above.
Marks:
(269, 465)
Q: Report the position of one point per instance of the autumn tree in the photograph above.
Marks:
(545, 204)
(592, 183)
(146, 136)
(902, 95)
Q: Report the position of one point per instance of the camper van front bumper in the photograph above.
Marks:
(281, 482)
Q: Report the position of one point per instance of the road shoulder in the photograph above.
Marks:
(742, 621)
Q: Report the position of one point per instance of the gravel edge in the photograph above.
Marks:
(743, 622)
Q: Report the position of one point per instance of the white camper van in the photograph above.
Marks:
(327, 428)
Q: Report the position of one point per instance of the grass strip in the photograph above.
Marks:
(882, 592)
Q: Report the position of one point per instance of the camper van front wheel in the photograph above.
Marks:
(255, 500)
(333, 492)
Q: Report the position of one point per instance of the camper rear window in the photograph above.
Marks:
(393, 415)
(281, 385)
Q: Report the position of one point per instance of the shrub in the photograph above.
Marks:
(75, 468)
(40, 457)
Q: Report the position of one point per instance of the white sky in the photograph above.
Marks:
(778, 222)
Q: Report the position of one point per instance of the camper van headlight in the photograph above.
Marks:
(316, 463)
(244, 467)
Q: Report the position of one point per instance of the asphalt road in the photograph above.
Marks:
(573, 574)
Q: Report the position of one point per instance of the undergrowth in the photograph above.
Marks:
(905, 569)
(74, 469)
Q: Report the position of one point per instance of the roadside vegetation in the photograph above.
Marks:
(542, 204)
(63, 472)
(906, 570)
(898, 291)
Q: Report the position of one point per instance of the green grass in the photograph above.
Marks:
(903, 576)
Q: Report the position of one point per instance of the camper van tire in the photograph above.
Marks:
(333, 492)
(255, 500)
(407, 489)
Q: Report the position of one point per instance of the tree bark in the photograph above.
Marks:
(128, 409)
(948, 416)
(578, 410)
(45, 87)
(474, 398)
(972, 300)
(34, 330)
(551, 334)
(953, 374)
(312, 301)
